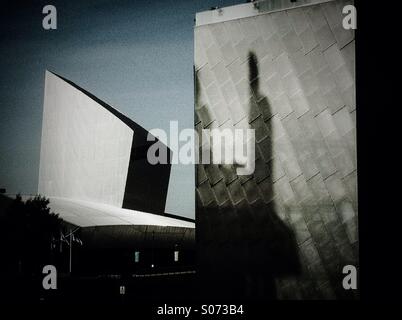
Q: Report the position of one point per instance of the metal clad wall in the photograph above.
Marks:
(85, 150)
(290, 76)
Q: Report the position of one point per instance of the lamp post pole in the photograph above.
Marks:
(70, 243)
(70, 255)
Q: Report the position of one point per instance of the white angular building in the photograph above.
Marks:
(91, 152)
(94, 170)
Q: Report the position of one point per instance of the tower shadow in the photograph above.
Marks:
(243, 247)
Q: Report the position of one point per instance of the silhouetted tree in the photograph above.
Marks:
(29, 236)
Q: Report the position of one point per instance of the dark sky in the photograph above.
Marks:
(134, 55)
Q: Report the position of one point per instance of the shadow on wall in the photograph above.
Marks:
(243, 246)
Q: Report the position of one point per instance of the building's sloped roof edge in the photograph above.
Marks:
(130, 123)
(89, 214)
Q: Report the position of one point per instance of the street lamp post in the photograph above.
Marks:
(70, 252)
(70, 244)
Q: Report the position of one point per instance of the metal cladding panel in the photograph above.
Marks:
(85, 149)
(290, 228)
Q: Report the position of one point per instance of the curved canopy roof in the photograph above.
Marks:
(89, 214)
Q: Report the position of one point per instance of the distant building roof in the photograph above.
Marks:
(90, 214)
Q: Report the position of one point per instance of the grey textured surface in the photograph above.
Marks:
(301, 100)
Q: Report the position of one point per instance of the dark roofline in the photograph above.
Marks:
(179, 217)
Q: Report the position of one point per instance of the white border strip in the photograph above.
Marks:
(246, 10)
